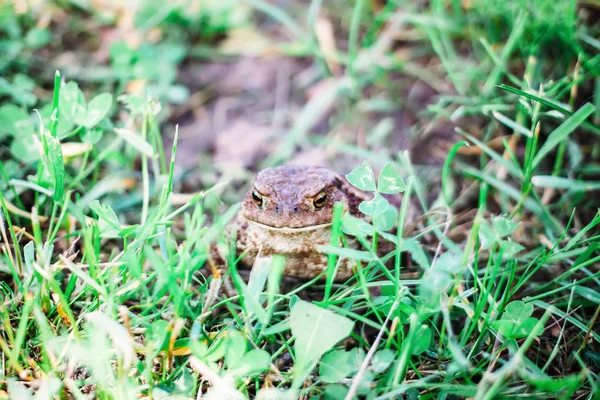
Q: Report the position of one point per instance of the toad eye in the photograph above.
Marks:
(320, 200)
(257, 198)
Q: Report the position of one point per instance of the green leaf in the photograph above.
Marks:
(376, 206)
(487, 237)
(20, 90)
(517, 330)
(572, 185)
(158, 335)
(258, 276)
(37, 37)
(139, 105)
(491, 233)
(387, 219)
(23, 150)
(593, 356)
(56, 165)
(382, 360)
(277, 328)
(434, 282)
(365, 385)
(339, 364)
(362, 177)
(588, 293)
(235, 348)
(517, 310)
(510, 248)
(72, 102)
(252, 363)
(504, 327)
(276, 269)
(447, 185)
(91, 136)
(97, 109)
(548, 103)
(563, 131)
(335, 391)
(108, 222)
(356, 226)
(416, 252)
(516, 321)
(64, 128)
(390, 181)
(575, 155)
(450, 262)
(14, 121)
(503, 226)
(526, 328)
(422, 340)
(122, 342)
(217, 349)
(256, 361)
(316, 330)
(121, 55)
(561, 388)
(136, 141)
(515, 126)
(251, 301)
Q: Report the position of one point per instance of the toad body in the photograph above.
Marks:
(288, 211)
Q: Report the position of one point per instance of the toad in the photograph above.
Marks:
(288, 211)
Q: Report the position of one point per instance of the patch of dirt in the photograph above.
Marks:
(245, 108)
(245, 103)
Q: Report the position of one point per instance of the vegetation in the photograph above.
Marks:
(483, 114)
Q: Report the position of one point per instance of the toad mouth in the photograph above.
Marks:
(287, 229)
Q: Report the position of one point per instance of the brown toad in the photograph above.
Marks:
(289, 212)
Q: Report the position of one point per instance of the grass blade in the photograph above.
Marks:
(563, 131)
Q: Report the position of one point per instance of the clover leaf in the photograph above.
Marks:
(362, 177)
(390, 181)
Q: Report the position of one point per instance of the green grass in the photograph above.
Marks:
(108, 284)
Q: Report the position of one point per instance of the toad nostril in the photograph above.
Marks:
(277, 209)
(295, 209)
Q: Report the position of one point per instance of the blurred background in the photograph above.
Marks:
(257, 83)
